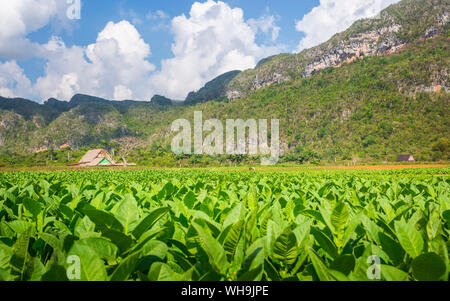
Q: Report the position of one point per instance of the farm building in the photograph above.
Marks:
(99, 157)
(96, 157)
(405, 158)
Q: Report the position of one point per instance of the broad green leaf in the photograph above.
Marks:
(428, 267)
(5, 256)
(213, 249)
(126, 268)
(392, 248)
(55, 273)
(33, 206)
(344, 264)
(190, 199)
(122, 241)
(103, 219)
(390, 273)
(92, 267)
(162, 272)
(285, 247)
(127, 212)
(409, 238)
(324, 242)
(339, 218)
(103, 248)
(319, 267)
(232, 239)
(21, 256)
(148, 221)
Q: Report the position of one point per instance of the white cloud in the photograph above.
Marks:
(214, 39)
(159, 14)
(116, 67)
(267, 25)
(18, 18)
(13, 82)
(333, 16)
(122, 93)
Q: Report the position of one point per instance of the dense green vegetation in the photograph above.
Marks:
(199, 225)
(362, 111)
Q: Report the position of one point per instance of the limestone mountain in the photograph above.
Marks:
(391, 30)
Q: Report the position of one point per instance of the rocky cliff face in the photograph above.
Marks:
(390, 31)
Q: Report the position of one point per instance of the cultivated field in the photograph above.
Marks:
(295, 224)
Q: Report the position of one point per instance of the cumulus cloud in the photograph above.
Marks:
(21, 17)
(116, 66)
(13, 82)
(267, 25)
(333, 16)
(212, 40)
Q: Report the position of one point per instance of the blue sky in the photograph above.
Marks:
(96, 14)
(122, 49)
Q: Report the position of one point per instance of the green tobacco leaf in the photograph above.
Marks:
(344, 264)
(103, 219)
(52, 241)
(103, 248)
(122, 241)
(252, 263)
(126, 268)
(392, 248)
(55, 273)
(190, 199)
(339, 218)
(91, 266)
(319, 267)
(127, 212)
(324, 242)
(150, 220)
(33, 206)
(34, 269)
(252, 275)
(5, 275)
(285, 247)
(390, 273)
(155, 248)
(162, 272)
(5, 256)
(409, 238)
(213, 249)
(21, 256)
(428, 267)
(446, 215)
(232, 239)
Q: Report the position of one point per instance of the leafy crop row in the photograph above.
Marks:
(197, 225)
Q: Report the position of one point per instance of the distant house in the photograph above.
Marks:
(96, 157)
(99, 157)
(405, 158)
(64, 146)
(42, 149)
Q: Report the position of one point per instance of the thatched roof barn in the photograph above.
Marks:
(97, 157)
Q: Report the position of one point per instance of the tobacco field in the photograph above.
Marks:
(198, 225)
